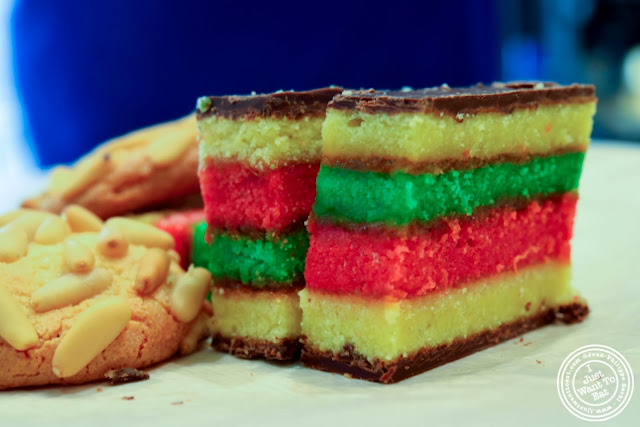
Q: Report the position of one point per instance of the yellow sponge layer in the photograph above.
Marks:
(431, 138)
(267, 315)
(386, 330)
(261, 143)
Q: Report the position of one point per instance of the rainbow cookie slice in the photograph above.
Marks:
(442, 224)
(259, 159)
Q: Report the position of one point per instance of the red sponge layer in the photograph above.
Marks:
(237, 196)
(378, 264)
(181, 226)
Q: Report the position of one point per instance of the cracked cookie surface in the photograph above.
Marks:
(149, 167)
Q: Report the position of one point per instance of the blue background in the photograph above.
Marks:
(87, 71)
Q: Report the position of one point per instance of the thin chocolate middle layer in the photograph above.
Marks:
(285, 349)
(292, 105)
(499, 97)
(416, 227)
(349, 363)
(385, 165)
(268, 286)
(252, 233)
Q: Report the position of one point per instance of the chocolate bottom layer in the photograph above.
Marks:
(247, 348)
(354, 365)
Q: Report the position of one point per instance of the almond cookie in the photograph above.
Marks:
(148, 167)
(80, 297)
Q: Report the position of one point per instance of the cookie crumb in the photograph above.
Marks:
(99, 389)
(180, 402)
(539, 362)
(126, 375)
(127, 398)
(528, 343)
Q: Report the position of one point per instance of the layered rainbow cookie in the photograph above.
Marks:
(442, 224)
(259, 158)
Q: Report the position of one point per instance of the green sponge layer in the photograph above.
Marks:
(399, 198)
(259, 262)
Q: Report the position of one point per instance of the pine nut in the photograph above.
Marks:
(91, 333)
(198, 331)
(84, 174)
(188, 293)
(15, 327)
(81, 219)
(29, 221)
(14, 244)
(51, 231)
(152, 271)
(10, 216)
(112, 243)
(168, 147)
(139, 233)
(61, 178)
(77, 256)
(70, 289)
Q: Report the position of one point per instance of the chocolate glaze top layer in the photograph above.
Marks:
(292, 105)
(498, 97)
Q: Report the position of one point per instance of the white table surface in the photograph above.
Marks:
(504, 385)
